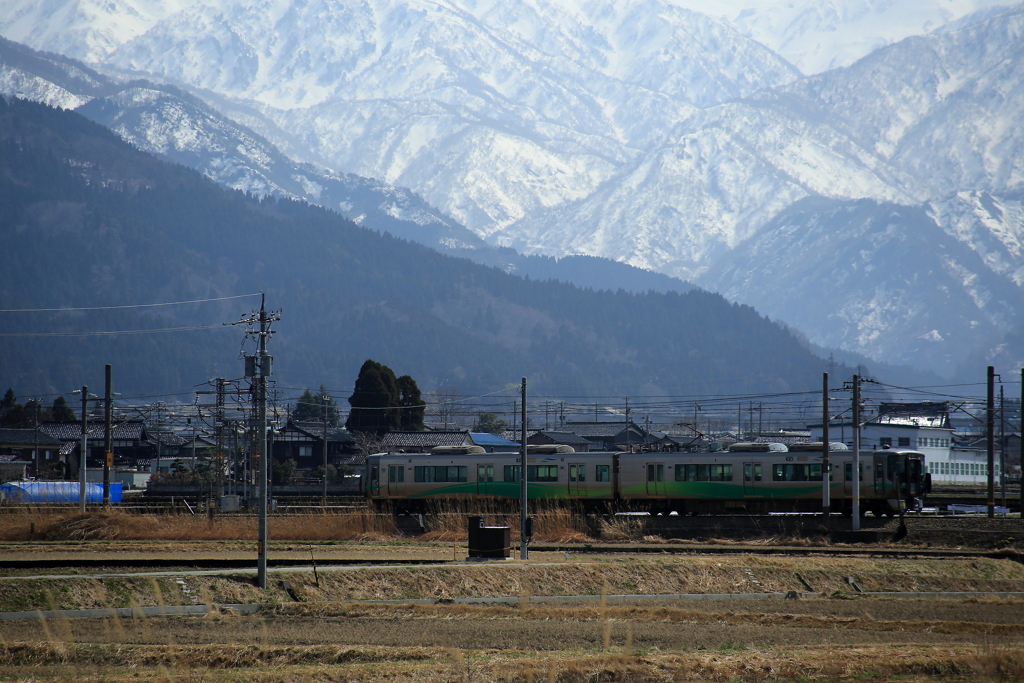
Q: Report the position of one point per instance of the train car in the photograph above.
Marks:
(747, 481)
(406, 483)
(751, 481)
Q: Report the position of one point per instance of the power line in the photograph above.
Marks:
(108, 333)
(111, 308)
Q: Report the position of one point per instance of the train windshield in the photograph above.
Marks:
(907, 468)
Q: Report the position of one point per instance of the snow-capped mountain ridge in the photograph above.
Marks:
(644, 130)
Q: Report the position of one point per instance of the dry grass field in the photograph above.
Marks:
(325, 628)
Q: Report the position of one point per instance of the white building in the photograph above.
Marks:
(924, 427)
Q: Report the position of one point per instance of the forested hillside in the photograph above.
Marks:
(87, 221)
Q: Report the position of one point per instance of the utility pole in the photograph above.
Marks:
(856, 453)
(524, 552)
(629, 445)
(108, 446)
(35, 446)
(259, 368)
(1002, 445)
(826, 474)
(85, 448)
(990, 410)
(1021, 453)
(219, 432)
(323, 502)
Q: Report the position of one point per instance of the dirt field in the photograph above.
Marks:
(323, 627)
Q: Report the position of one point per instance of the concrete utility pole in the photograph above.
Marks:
(259, 367)
(85, 448)
(524, 552)
(108, 446)
(826, 475)
(856, 453)
(324, 501)
(990, 411)
(1002, 444)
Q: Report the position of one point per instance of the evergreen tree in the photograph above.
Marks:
(412, 404)
(374, 400)
(12, 413)
(310, 407)
(61, 412)
(306, 409)
(489, 422)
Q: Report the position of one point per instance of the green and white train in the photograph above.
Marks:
(751, 479)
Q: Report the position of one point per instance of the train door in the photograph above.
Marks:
(655, 479)
(485, 479)
(752, 479)
(577, 479)
(879, 479)
(848, 479)
(373, 486)
(396, 480)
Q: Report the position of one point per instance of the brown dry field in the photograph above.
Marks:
(332, 634)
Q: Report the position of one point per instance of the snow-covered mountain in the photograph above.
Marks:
(669, 134)
(489, 111)
(163, 120)
(881, 274)
(818, 35)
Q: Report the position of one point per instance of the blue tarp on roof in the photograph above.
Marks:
(57, 492)
(485, 439)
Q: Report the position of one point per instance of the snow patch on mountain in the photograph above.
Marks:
(17, 83)
(819, 35)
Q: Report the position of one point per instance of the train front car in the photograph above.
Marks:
(907, 479)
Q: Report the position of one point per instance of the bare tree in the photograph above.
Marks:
(441, 406)
(367, 443)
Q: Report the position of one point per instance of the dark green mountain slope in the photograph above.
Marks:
(85, 220)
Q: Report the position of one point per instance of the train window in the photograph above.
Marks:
(795, 472)
(703, 472)
(849, 471)
(542, 473)
(453, 473)
(655, 472)
(396, 474)
(583, 472)
(533, 473)
(897, 464)
(603, 473)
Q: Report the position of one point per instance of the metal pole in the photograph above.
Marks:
(261, 445)
(856, 453)
(1002, 445)
(826, 475)
(85, 448)
(990, 439)
(108, 452)
(324, 501)
(35, 446)
(1021, 454)
(524, 552)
